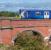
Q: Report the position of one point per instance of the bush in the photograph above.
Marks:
(8, 14)
(27, 42)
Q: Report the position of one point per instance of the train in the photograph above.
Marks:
(34, 14)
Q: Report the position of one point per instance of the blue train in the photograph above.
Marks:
(35, 14)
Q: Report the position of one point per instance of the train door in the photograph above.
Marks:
(46, 14)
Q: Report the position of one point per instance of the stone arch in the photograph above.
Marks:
(34, 32)
(31, 33)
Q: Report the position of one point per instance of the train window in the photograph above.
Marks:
(37, 13)
(46, 14)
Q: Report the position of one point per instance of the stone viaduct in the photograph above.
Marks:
(10, 28)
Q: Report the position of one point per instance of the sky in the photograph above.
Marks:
(24, 1)
(24, 4)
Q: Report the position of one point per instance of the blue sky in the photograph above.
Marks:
(24, 1)
(24, 4)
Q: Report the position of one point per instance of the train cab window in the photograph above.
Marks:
(37, 13)
(46, 14)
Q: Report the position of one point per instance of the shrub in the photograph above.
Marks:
(27, 42)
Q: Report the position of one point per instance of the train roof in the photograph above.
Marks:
(34, 10)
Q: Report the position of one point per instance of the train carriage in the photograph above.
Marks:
(35, 14)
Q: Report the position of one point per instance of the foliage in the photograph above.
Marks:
(27, 42)
(8, 14)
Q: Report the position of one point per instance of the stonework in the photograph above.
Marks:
(10, 28)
